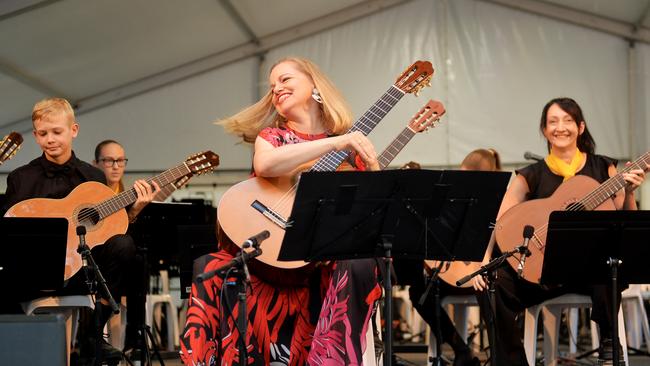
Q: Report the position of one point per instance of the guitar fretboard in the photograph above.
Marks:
(114, 204)
(612, 185)
(365, 124)
(395, 147)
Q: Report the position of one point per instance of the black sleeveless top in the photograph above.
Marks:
(542, 182)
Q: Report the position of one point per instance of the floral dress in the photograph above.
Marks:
(323, 322)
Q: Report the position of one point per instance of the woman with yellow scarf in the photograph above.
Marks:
(571, 152)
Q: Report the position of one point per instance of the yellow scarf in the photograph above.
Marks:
(559, 167)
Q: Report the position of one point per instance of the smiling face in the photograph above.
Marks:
(54, 133)
(561, 129)
(291, 89)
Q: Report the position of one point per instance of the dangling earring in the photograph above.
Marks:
(316, 95)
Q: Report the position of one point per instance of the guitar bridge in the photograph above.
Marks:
(275, 217)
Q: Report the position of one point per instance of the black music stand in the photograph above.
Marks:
(419, 214)
(26, 274)
(598, 247)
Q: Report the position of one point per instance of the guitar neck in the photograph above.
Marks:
(395, 147)
(612, 185)
(120, 201)
(365, 124)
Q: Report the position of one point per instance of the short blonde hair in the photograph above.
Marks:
(52, 106)
(336, 114)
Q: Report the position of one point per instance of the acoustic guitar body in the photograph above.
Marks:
(510, 226)
(77, 208)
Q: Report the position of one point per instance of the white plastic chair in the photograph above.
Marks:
(552, 310)
(154, 303)
(636, 319)
(461, 304)
(68, 306)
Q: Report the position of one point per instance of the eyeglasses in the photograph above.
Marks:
(108, 162)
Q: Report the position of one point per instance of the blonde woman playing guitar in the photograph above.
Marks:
(570, 171)
(301, 117)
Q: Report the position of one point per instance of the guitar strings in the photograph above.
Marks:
(329, 159)
(591, 198)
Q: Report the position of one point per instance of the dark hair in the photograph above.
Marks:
(586, 143)
(100, 146)
(482, 159)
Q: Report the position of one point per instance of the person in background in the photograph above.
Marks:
(54, 175)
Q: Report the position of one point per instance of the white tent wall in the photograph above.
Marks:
(495, 69)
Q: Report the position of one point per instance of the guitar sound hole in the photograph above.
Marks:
(88, 217)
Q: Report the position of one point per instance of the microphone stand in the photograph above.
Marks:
(432, 281)
(238, 264)
(96, 285)
(490, 269)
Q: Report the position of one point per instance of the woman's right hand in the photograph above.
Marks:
(479, 282)
(358, 142)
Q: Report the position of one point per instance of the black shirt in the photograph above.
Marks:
(542, 182)
(41, 178)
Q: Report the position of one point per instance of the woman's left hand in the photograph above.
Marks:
(634, 178)
(145, 193)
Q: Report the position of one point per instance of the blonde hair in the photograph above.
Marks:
(482, 159)
(335, 113)
(49, 106)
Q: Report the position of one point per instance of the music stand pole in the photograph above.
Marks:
(388, 303)
(144, 333)
(613, 264)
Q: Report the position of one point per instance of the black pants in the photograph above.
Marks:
(513, 295)
(117, 261)
(410, 272)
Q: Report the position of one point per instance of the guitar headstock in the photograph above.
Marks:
(202, 162)
(415, 77)
(9, 146)
(427, 117)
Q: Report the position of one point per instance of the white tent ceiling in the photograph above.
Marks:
(98, 52)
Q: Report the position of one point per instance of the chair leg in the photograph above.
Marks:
(573, 315)
(530, 333)
(552, 317)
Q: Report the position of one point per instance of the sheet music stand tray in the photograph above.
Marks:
(609, 246)
(420, 214)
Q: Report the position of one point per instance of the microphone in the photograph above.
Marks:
(530, 156)
(81, 233)
(241, 259)
(255, 240)
(528, 233)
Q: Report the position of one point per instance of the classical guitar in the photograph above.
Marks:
(9, 146)
(578, 193)
(259, 204)
(99, 209)
(427, 117)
